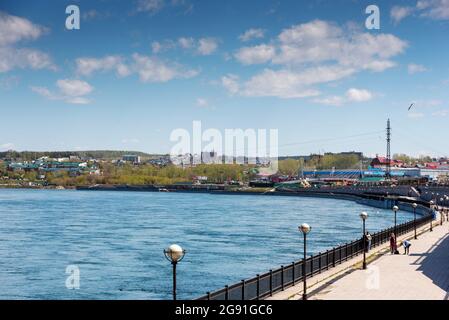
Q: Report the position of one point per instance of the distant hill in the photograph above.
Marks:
(96, 154)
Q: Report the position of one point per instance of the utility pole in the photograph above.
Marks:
(388, 169)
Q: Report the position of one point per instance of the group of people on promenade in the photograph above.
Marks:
(393, 244)
(393, 240)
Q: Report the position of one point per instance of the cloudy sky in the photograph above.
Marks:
(136, 70)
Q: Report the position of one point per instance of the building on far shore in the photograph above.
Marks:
(382, 162)
(134, 159)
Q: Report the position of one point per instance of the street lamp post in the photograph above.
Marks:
(431, 206)
(446, 198)
(364, 216)
(174, 254)
(441, 211)
(395, 209)
(305, 229)
(414, 205)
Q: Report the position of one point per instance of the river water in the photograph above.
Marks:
(116, 240)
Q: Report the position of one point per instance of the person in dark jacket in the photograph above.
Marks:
(393, 245)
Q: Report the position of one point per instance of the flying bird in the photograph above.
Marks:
(411, 106)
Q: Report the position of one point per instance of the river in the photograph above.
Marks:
(116, 239)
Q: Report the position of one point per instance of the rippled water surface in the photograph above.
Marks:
(117, 239)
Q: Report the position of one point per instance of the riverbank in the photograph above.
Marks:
(380, 196)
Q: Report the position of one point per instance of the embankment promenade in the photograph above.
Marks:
(421, 275)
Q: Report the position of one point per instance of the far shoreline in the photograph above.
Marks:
(380, 197)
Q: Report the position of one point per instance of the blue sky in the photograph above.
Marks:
(136, 70)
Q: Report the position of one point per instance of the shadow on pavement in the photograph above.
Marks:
(434, 264)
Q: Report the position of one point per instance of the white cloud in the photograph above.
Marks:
(320, 41)
(149, 69)
(352, 95)
(361, 50)
(156, 47)
(14, 30)
(44, 92)
(70, 91)
(255, 55)
(252, 34)
(202, 102)
(186, 43)
(151, 6)
(154, 6)
(434, 9)
(87, 66)
(207, 46)
(287, 84)
(398, 13)
(153, 70)
(314, 53)
(230, 83)
(202, 46)
(416, 68)
(11, 58)
(74, 88)
(358, 95)
(165, 45)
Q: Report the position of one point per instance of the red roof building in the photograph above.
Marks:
(382, 162)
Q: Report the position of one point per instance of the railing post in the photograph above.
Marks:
(208, 295)
(333, 257)
(258, 287)
(319, 262)
(271, 283)
(226, 292)
(243, 290)
(341, 254)
(293, 272)
(311, 266)
(282, 278)
(346, 251)
(327, 259)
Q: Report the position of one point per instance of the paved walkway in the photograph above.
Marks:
(424, 274)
